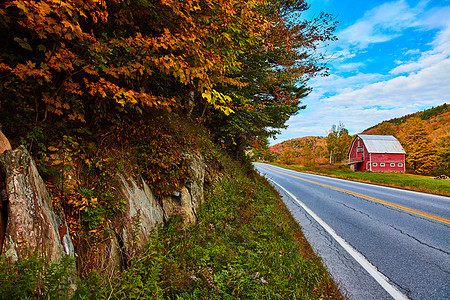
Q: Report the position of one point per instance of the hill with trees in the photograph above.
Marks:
(307, 151)
(425, 135)
(436, 120)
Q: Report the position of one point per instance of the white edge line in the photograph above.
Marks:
(441, 197)
(379, 277)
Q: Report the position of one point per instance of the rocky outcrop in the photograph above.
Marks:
(144, 212)
(186, 201)
(32, 224)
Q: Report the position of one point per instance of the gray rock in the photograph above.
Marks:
(142, 215)
(31, 224)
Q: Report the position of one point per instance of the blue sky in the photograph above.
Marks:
(392, 58)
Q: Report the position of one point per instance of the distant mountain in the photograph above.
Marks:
(436, 119)
(313, 146)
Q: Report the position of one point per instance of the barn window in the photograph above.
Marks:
(374, 164)
(392, 164)
(359, 150)
(400, 164)
(381, 164)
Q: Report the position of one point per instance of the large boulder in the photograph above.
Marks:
(31, 223)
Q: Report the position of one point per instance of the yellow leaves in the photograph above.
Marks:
(126, 96)
(23, 71)
(207, 96)
(75, 116)
(219, 101)
(56, 162)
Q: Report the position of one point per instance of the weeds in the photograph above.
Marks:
(34, 277)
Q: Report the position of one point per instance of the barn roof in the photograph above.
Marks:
(381, 144)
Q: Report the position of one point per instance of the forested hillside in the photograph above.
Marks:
(436, 121)
(308, 150)
(425, 135)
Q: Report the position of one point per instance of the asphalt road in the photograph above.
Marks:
(377, 242)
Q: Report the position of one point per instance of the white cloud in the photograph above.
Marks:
(362, 108)
(381, 24)
(427, 60)
(363, 100)
(425, 85)
(434, 19)
(351, 66)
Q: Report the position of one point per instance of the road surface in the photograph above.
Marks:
(377, 242)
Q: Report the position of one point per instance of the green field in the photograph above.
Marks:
(400, 180)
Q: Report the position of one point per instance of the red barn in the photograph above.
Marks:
(376, 153)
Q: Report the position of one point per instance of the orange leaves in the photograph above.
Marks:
(23, 71)
(82, 52)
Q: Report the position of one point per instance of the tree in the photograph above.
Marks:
(308, 157)
(287, 156)
(338, 142)
(261, 150)
(443, 153)
(385, 128)
(275, 73)
(420, 152)
(73, 63)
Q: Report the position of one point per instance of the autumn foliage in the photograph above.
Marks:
(89, 63)
(424, 136)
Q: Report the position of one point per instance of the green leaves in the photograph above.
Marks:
(23, 43)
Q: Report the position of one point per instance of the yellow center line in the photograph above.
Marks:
(417, 212)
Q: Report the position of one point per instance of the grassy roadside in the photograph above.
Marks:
(399, 180)
(245, 245)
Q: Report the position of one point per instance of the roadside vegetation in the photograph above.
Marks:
(413, 182)
(245, 245)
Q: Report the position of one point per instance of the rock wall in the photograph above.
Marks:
(144, 212)
(31, 223)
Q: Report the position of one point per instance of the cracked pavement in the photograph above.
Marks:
(411, 251)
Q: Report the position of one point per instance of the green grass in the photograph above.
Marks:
(245, 245)
(400, 180)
